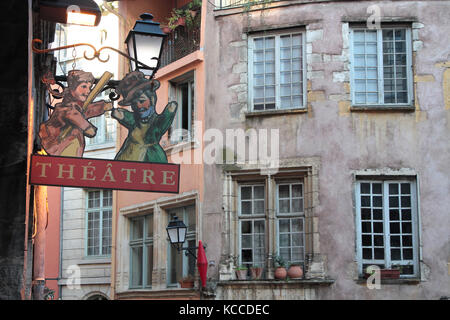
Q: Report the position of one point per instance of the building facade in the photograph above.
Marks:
(145, 266)
(353, 97)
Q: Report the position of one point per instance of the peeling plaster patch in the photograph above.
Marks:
(424, 78)
(445, 82)
(417, 45)
(313, 35)
(425, 271)
(446, 88)
(318, 95)
(344, 108)
(340, 76)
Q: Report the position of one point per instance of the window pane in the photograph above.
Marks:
(149, 265)
(259, 192)
(107, 198)
(259, 226)
(246, 207)
(284, 206)
(283, 191)
(285, 240)
(297, 205)
(246, 192)
(136, 264)
(259, 207)
(246, 226)
(137, 226)
(284, 225)
(405, 188)
(247, 241)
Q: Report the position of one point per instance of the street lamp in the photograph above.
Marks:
(176, 230)
(144, 43)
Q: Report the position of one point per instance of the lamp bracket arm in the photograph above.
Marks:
(96, 53)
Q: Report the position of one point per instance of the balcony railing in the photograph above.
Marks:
(225, 4)
(179, 43)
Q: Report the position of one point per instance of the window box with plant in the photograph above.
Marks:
(280, 267)
(185, 16)
(256, 272)
(241, 272)
(187, 282)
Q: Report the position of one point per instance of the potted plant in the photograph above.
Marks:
(295, 271)
(187, 282)
(178, 18)
(241, 272)
(280, 268)
(256, 272)
(193, 7)
(166, 29)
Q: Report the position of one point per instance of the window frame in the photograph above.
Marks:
(290, 215)
(100, 209)
(191, 235)
(277, 34)
(188, 78)
(144, 243)
(380, 67)
(387, 261)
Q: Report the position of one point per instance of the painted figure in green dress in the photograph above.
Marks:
(145, 126)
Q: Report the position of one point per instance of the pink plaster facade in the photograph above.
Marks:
(345, 141)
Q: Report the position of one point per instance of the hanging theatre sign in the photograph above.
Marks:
(141, 163)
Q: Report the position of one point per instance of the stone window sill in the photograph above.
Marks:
(95, 260)
(382, 108)
(181, 146)
(172, 293)
(409, 281)
(275, 282)
(265, 113)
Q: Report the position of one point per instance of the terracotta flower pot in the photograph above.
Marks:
(241, 274)
(256, 273)
(295, 272)
(181, 21)
(186, 283)
(280, 273)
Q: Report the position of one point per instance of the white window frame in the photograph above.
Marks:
(386, 223)
(290, 215)
(145, 242)
(277, 35)
(177, 133)
(251, 217)
(380, 70)
(191, 235)
(101, 210)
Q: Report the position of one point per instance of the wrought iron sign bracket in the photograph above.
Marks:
(111, 84)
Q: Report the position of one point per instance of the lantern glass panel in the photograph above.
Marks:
(173, 235)
(130, 45)
(148, 47)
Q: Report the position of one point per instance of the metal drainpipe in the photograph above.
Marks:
(61, 220)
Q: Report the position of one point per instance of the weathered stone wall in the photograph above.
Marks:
(344, 139)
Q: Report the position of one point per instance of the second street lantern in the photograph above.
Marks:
(145, 43)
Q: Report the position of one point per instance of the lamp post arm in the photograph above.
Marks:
(96, 53)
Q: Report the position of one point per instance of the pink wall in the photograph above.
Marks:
(52, 239)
